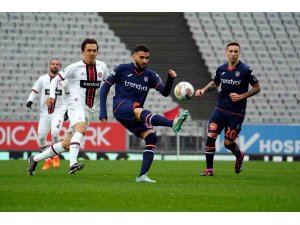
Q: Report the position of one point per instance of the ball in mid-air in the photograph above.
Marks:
(184, 91)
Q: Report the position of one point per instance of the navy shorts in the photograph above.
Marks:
(221, 119)
(123, 112)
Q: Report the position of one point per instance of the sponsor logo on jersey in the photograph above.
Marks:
(89, 84)
(137, 86)
(222, 73)
(57, 92)
(213, 126)
(232, 82)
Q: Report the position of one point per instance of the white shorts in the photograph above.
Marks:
(77, 113)
(49, 122)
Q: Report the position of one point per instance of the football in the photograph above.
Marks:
(184, 91)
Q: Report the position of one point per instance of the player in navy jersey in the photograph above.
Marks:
(229, 113)
(132, 83)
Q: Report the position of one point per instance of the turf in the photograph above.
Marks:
(109, 186)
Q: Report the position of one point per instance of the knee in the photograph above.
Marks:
(42, 142)
(151, 139)
(81, 128)
(228, 143)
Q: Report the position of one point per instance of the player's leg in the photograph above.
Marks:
(215, 127)
(150, 145)
(56, 124)
(79, 118)
(231, 133)
(148, 117)
(43, 130)
(210, 150)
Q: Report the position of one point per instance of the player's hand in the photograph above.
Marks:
(28, 104)
(235, 97)
(103, 120)
(50, 101)
(172, 73)
(199, 92)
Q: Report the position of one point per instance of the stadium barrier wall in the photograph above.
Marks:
(279, 140)
(23, 136)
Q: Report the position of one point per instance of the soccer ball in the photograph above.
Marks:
(184, 91)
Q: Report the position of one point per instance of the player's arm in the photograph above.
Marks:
(103, 99)
(34, 92)
(166, 89)
(209, 87)
(53, 86)
(253, 91)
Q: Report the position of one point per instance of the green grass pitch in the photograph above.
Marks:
(109, 186)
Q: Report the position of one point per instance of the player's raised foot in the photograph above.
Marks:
(75, 167)
(56, 163)
(47, 164)
(239, 164)
(144, 178)
(177, 123)
(32, 166)
(207, 172)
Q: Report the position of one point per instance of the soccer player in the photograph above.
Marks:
(229, 113)
(84, 79)
(132, 83)
(51, 118)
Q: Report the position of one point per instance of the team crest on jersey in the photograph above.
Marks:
(213, 126)
(237, 73)
(99, 74)
(146, 79)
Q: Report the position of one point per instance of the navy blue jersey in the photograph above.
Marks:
(234, 80)
(133, 86)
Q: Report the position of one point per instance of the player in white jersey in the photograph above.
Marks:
(51, 118)
(84, 79)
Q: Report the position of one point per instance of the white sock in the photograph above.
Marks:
(74, 147)
(49, 152)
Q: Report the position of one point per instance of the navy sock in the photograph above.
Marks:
(148, 154)
(155, 120)
(234, 148)
(210, 148)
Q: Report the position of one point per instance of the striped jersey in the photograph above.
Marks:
(42, 87)
(84, 80)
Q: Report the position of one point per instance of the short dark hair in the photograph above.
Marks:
(235, 43)
(141, 47)
(54, 58)
(88, 41)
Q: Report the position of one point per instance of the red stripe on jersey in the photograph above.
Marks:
(90, 92)
(60, 76)
(108, 82)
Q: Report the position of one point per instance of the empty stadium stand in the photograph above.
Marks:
(269, 44)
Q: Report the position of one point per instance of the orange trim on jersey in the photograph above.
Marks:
(158, 84)
(118, 106)
(138, 72)
(230, 68)
(135, 104)
(206, 147)
(60, 76)
(238, 114)
(154, 146)
(108, 83)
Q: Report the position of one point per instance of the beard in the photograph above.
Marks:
(54, 70)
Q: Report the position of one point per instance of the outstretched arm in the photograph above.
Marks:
(209, 87)
(165, 91)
